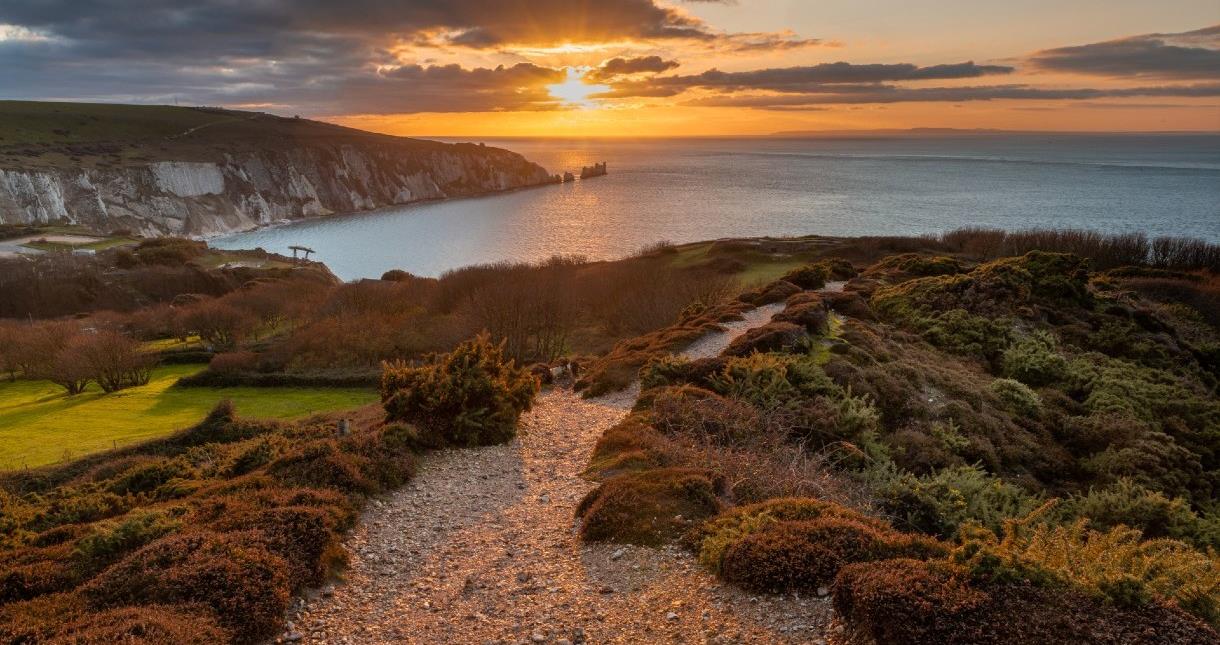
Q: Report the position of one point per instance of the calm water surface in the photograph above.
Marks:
(695, 189)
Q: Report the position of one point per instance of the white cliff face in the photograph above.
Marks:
(247, 190)
(188, 179)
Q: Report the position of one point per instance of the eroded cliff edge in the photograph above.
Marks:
(230, 171)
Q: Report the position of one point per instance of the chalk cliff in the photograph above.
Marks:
(212, 182)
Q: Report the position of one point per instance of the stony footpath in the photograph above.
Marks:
(482, 547)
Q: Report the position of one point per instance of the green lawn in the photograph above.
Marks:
(39, 424)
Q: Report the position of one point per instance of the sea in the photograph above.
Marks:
(684, 190)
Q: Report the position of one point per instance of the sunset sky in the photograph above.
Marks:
(634, 67)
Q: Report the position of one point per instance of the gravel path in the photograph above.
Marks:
(481, 547)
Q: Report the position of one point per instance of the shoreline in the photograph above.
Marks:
(207, 237)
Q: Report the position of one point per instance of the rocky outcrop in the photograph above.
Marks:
(247, 188)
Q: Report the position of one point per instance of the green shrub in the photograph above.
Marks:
(1017, 397)
(942, 502)
(469, 397)
(650, 507)
(810, 276)
(1034, 360)
(148, 477)
(669, 369)
(1128, 503)
(771, 380)
(961, 332)
(914, 264)
(109, 541)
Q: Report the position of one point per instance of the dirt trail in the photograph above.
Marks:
(481, 547)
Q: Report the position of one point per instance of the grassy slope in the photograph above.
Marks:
(40, 425)
(48, 135)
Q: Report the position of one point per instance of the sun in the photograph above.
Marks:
(574, 90)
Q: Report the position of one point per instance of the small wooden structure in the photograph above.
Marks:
(300, 249)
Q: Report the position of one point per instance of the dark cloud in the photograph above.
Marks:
(616, 67)
(877, 94)
(803, 79)
(300, 53)
(1189, 55)
(234, 27)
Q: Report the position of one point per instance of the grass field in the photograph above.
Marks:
(760, 268)
(39, 424)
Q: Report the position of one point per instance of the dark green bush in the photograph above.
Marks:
(941, 502)
(107, 542)
(469, 397)
(810, 276)
(1016, 397)
(1155, 515)
(1034, 360)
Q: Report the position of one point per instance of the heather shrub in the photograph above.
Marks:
(802, 555)
(1016, 396)
(146, 478)
(813, 316)
(771, 337)
(908, 601)
(323, 464)
(720, 532)
(1034, 360)
(232, 573)
(905, 601)
(777, 291)
(650, 507)
(471, 396)
(144, 625)
(694, 411)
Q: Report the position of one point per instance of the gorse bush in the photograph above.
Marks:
(1016, 396)
(942, 502)
(1117, 563)
(1034, 360)
(1128, 503)
(771, 380)
(471, 396)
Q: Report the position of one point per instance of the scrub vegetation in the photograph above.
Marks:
(977, 447)
(980, 436)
